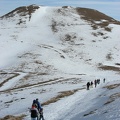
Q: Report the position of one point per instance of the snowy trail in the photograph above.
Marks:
(34, 85)
(88, 103)
(12, 81)
(70, 107)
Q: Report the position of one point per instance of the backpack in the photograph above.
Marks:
(34, 113)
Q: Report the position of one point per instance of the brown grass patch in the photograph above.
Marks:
(92, 15)
(54, 26)
(10, 117)
(22, 11)
(112, 98)
(112, 86)
(61, 95)
(91, 112)
(113, 68)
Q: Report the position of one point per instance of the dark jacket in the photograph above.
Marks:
(38, 104)
(34, 112)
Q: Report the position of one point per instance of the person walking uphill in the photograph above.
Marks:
(88, 85)
(104, 80)
(95, 82)
(34, 113)
(38, 105)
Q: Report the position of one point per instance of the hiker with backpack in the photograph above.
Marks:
(38, 104)
(34, 113)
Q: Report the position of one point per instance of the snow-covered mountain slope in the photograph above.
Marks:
(46, 51)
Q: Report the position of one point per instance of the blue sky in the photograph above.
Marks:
(109, 7)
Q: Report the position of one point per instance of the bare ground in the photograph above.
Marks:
(61, 95)
(111, 68)
(10, 117)
(114, 96)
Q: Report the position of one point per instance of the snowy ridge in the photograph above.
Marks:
(49, 52)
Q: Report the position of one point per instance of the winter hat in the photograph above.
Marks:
(34, 101)
(37, 99)
(33, 106)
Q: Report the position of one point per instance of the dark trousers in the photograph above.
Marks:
(41, 117)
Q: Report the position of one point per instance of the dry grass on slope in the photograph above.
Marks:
(61, 95)
(114, 96)
(113, 86)
(10, 117)
(92, 15)
(23, 11)
(111, 68)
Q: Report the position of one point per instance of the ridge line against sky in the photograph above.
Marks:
(108, 7)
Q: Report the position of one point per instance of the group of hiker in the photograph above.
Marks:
(96, 81)
(36, 110)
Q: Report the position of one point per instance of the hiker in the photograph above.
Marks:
(98, 81)
(95, 82)
(34, 113)
(88, 85)
(91, 83)
(41, 114)
(38, 104)
(34, 102)
(104, 80)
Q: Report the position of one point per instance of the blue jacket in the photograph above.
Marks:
(38, 104)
